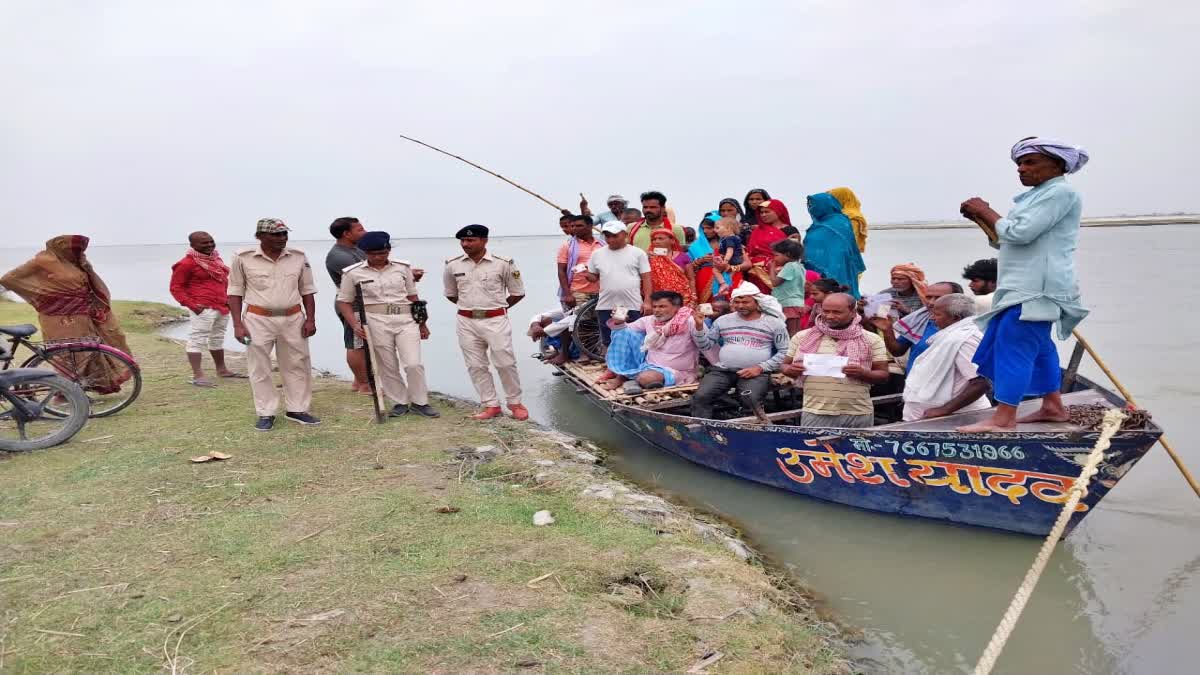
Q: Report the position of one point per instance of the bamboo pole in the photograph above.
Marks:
(1187, 475)
(487, 171)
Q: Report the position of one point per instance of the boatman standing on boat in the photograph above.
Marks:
(1036, 285)
(275, 282)
(484, 286)
(396, 319)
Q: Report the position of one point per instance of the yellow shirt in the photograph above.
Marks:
(272, 284)
(837, 395)
(486, 284)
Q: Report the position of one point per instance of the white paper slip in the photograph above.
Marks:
(877, 302)
(824, 365)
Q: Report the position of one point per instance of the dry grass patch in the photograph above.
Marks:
(352, 547)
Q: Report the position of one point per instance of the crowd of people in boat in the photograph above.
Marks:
(745, 294)
(742, 297)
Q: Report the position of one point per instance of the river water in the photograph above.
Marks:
(1121, 594)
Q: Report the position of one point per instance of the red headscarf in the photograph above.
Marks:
(780, 210)
(676, 247)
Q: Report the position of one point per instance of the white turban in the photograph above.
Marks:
(745, 289)
(1073, 155)
(766, 303)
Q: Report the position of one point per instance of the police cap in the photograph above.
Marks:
(479, 231)
(375, 241)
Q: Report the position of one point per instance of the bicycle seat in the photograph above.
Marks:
(19, 331)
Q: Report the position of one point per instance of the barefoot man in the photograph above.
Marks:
(1036, 286)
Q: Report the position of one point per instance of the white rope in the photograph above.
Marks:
(1112, 422)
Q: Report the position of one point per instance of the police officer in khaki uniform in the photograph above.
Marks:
(485, 286)
(395, 322)
(274, 284)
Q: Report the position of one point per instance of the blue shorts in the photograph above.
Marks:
(1018, 357)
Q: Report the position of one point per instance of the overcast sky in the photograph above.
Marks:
(142, 121)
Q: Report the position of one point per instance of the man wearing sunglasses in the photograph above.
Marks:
(273, 283)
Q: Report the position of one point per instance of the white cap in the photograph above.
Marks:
(613, 227)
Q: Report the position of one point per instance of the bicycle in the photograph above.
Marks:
(39, 409)
(586, 333)
(110, 378)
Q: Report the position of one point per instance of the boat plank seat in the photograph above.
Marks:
(653, 399)
(951, 422)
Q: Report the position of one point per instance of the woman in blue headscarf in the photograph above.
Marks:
(829, 244)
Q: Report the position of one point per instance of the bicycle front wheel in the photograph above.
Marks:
(587, 332)
(50, 412)
(111, 379)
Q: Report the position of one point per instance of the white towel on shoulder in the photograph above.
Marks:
(930, 380)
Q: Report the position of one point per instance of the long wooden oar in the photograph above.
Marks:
(1187, 475)
(487, 171)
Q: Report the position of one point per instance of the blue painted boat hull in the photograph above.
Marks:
(1013, 481)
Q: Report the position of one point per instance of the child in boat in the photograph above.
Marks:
(817, 290)
(788, 281)
(730, 248)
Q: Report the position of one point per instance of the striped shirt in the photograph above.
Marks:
(744, 344)
(837, 395)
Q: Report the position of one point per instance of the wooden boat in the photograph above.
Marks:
(1015, 481)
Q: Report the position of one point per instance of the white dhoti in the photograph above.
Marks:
(484, 338)
(395, 343)
(281, 334)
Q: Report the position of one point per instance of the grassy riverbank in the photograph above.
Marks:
(352, 546)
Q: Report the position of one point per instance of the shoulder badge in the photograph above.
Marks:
(356, 265)
(244, 251)
(504, 258)
(516, 273)
(457, 257)
(402, 262)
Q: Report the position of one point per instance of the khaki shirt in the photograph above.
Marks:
(391, 285)
(271, 284)
(486, 284)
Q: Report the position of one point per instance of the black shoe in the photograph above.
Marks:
(398, 410)
(265, 423)
(426, 410)
(303, 418)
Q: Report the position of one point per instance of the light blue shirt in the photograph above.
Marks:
(1037, 242)
(599, 219)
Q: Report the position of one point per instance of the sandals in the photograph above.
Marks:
(197, 382)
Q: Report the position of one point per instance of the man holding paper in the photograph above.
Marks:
(836, 362)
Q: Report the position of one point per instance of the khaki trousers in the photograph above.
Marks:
(395, 335)
(281, 334)
(478, 337)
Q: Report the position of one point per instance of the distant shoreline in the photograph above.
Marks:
(1113, 221)
(1106, 221)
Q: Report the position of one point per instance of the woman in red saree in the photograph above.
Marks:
(772, 215)
(71, 302)
(665, 273)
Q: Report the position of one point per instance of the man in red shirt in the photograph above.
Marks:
(198, 282)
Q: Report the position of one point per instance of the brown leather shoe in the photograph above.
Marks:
(519, 413)
(489, 413)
